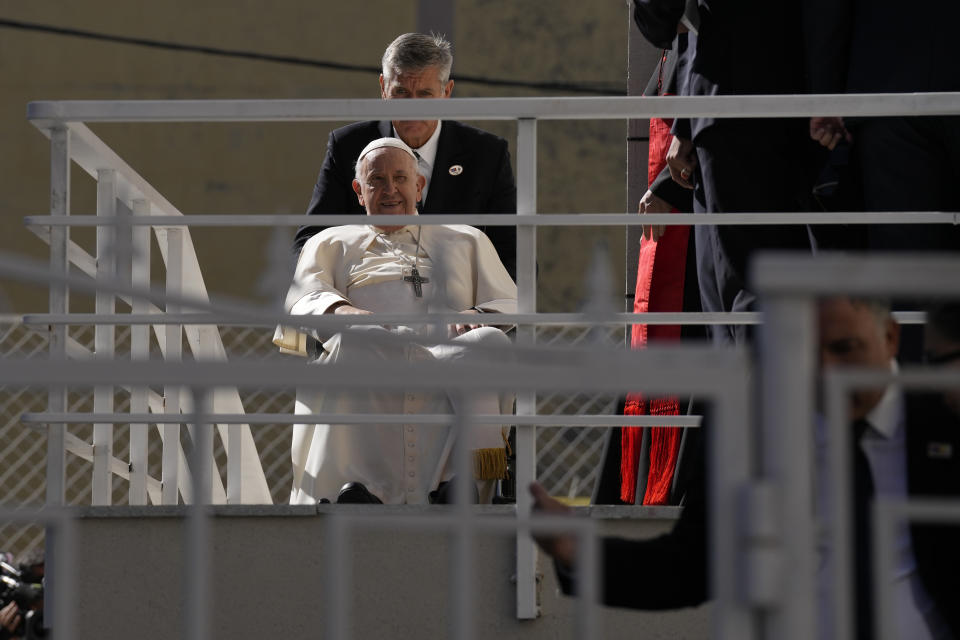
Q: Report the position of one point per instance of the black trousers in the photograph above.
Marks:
(910, 164)
(747, 166)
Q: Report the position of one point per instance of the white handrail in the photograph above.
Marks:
(46, 113)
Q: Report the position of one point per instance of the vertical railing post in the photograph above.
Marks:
(788, 396)
(104, 334)
(197, 583)
(729, 456)
(235, 465)
(208, 339)
(526, 441)
(57, 395)
(59, 304)
(139, 350)
(171, 392)
(463, 548)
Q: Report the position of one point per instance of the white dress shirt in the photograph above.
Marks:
(427, 157)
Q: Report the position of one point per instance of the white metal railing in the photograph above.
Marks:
(121, 192)
(787, 369)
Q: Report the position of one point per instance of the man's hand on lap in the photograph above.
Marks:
(348, 309)
(460, 329)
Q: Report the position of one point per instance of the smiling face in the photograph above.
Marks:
(423, 83)
(388, 184)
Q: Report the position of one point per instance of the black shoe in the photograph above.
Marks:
(446, 493)
(356, 493)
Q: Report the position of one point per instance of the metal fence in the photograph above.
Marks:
(749, 583)
(568, 458)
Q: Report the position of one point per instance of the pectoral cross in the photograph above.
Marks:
(417, 281)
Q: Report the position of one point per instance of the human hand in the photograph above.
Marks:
(828, 131)
(682, 160)
(562, 547)
(10, 617)
(460, 329)
(650, 203)
(350, 310)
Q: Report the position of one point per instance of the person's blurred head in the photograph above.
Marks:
(858, 333)
(32, 566)
(941, 346)
(416, 65)
(387, 182)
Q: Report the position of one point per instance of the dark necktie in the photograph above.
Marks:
(862, 545)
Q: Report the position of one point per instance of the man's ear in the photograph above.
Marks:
(448, 89)
(383, 88)
(359, 191)
(892, 337)
(421, 183)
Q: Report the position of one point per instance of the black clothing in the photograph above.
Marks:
(904, 163)
(763, 165)
(933, 471)
(680, 560)
(484, 183)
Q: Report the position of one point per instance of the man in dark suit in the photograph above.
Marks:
(908, 447)
(467, 170)
(737, 165)
(901, 163)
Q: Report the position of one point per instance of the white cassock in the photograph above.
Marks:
(399, 463)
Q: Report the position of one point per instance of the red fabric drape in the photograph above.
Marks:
(660, 278)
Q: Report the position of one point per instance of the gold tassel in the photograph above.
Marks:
(490, 464)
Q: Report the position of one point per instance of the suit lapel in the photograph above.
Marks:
(441, 182)
(385, 129)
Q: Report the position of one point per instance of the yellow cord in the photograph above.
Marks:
(490, 464)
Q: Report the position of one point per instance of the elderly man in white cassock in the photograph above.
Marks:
(407, 269)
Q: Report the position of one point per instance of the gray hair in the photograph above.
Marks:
(416, 52)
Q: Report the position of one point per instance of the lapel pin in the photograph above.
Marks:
(455, 170)
(939, 450)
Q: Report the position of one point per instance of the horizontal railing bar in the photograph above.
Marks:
(893, 267)
(340, 322)
(539, 319)
(658, 369)
(509, 220)
(579, 420)
(908, 377)
(925, 510)
(888, 275)
(45, 113)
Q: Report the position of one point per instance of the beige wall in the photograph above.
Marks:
(269, 567)
(270, 168)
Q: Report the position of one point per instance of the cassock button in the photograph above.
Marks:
(410, 458)
(410, 428)
(412, 473)
(410, 444)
